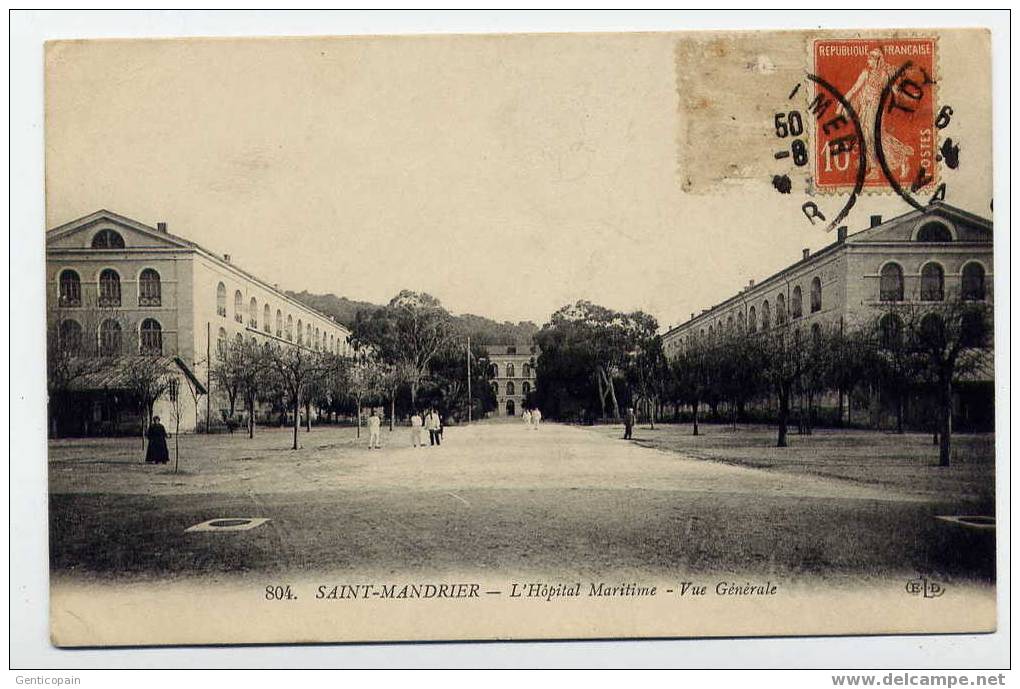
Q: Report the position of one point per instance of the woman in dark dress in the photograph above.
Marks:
(157, 452)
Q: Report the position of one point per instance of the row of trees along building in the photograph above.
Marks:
(909, 352)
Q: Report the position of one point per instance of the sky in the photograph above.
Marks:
(506, 175)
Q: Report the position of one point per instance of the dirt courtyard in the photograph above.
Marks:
(498, 497)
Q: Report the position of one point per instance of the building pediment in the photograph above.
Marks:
(938, 218)
(94, 231)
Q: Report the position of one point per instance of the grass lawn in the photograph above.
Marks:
(904, 462)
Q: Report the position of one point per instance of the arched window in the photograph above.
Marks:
(525, 388)
(109, 288)
(797, 303)
(494, 369)
(290, 327)
(510, 387)
(279, 323)
(741, 321)
(238, 306)
(495, 388)
(107, 239)
(253, 313)
(890, 331)
(816, 294)
(109, 338)
(932, 282)
(752, 319)
(780, 309)
(221, 343)
(221, 300)
(766, 316)
(267, 319)
(300, 333)
(151, 337)
(711, 331)
(149, 288)
(70, 288)
(891, 283)
(510, 373)
(318, 339)
(308, 334)
(526, 370)
(70, 334)
(934, 232)
(972, 282)
(729, 323)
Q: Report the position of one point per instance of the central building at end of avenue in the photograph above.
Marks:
(512, 367)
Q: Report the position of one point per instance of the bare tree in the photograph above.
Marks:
(295, 369)
(952, 339)
(73, 353)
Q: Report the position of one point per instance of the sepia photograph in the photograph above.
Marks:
(520, 336)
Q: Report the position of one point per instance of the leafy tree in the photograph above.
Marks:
(408, 333)
(591, 341)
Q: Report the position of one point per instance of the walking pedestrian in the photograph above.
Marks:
(433, 424)
(157, 451)
(416, 425)
(374, 424)
(526, 417)
(536, 417)
(629, 420)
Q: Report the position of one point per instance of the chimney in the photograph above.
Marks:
(226, 257)
(876, 220)
(805, 253)
(692, 315)
(161, 226)
(841, 234)
(750, 284)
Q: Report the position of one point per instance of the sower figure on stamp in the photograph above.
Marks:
(374, 424)
(865, 96)
(629, 419)
(157, 451)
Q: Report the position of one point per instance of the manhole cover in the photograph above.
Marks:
(969, 521)
(229, 524)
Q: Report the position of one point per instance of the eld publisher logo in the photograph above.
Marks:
(925, 588)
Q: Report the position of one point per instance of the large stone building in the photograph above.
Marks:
(141, 291)
(513, 374)
(938, 254)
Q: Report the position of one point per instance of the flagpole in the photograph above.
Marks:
(469, 376)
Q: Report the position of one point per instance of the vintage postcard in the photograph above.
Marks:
(524, 336)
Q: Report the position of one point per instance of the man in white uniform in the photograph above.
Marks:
(374, 424)
(416, 424)
(536, 418)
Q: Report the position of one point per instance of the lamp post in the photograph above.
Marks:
(469, 377)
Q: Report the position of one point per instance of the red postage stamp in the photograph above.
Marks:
(874, 108)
